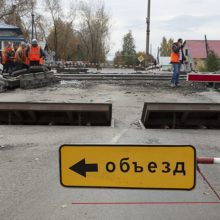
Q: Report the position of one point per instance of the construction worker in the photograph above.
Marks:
(177, 58)
(3, 60)
(16, 46)
(35, 54)
(21, 61)
(9, 56)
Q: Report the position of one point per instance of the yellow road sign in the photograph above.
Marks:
(141, 59)
(151, 167)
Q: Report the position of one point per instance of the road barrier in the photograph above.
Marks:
(208, 160)
(203, 77)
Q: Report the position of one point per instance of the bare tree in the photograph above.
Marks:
(72, 13)
(41, 26)
(17, 12)
(53, 6)
(9, 8)
(6, 9)
(94, 31)
(66, 40)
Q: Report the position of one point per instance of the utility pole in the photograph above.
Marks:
(158, 55)
(32, 27)
(32, 22)
(206, 46)
(148, 28)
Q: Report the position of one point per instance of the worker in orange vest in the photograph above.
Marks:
(3, 60)
(9, 56)
(177, 58)
(21, 61)
(35, 54)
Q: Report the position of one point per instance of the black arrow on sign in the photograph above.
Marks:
(82, 168)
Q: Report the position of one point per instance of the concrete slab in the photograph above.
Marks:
(29, 168)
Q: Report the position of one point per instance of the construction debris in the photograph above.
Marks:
(35, 77)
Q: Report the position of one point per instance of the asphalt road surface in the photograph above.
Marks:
(29, 161)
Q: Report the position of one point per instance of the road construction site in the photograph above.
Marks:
(29, 155)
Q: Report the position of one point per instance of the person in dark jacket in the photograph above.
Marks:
(177, 59)
(9, 55)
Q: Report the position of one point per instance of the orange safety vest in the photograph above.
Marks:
(34, 53)
(6, 53)
(41, 61)
(174, 57)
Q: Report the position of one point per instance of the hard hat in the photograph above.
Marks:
(34, 42)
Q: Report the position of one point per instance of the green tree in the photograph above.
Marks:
(165, 47)
(212, 62)
(128, 49)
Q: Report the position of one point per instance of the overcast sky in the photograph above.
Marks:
(188, 19)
